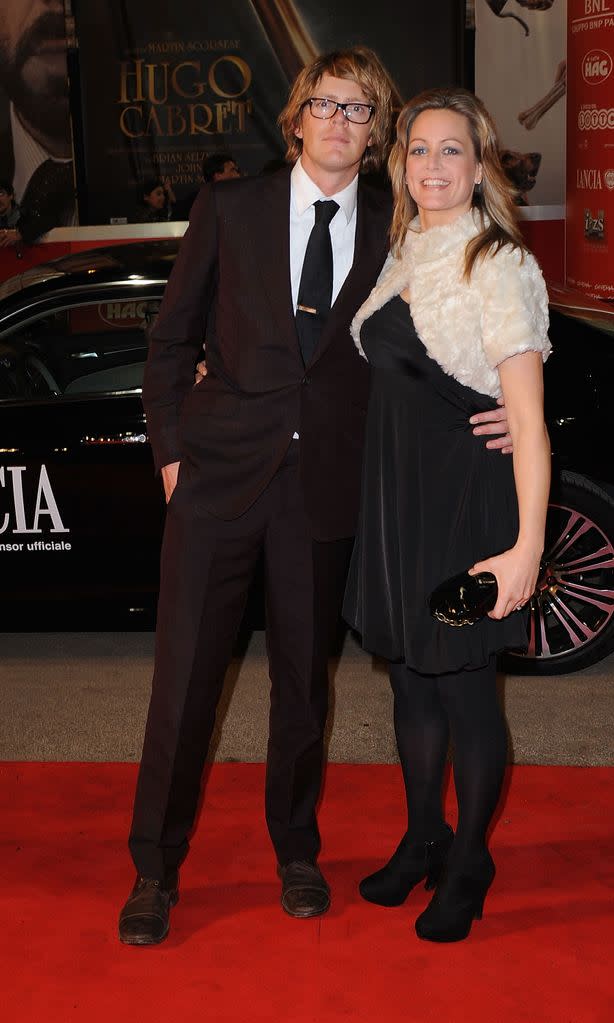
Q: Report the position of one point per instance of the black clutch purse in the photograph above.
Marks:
(464, 599)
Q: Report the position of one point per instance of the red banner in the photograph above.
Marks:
(590, 147)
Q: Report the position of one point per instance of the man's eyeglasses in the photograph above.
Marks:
(359, 113)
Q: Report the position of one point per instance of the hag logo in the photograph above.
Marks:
(45, 505)
(124, 314)
(596, 66)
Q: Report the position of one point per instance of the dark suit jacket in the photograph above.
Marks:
(42, 213)
(231, 282)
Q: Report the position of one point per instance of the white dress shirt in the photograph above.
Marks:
(303, 194)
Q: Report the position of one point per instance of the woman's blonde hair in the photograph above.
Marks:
(493, 197)
(360, 65)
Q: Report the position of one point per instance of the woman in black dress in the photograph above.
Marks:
(457, 319)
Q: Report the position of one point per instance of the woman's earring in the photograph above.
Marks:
(477, 188)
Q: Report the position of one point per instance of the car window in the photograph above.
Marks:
(86, 349)
(599, 319)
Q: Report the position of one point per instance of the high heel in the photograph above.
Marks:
(411, 863)
(457, 902)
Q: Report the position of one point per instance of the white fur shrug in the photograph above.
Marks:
(467, 327)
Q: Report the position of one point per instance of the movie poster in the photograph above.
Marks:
(520, 73)
(590, 148)
(36, 159)
(162, 86)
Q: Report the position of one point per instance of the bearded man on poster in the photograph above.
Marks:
(35, 142)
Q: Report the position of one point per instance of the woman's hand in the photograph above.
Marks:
(494, 422)
(516, 572)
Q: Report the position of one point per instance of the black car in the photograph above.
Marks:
(81, 512)
(571, 622)
(80, 509)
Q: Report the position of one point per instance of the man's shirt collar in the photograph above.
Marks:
(305, 192)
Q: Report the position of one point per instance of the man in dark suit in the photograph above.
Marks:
(263, 455)
(35, 143)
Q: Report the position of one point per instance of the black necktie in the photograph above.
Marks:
(316, 288)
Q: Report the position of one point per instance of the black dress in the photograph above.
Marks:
(434, 501)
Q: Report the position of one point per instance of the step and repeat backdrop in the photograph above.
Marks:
(545, 68)
(102, 99)
(590, 147)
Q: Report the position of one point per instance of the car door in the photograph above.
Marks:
(80, 509)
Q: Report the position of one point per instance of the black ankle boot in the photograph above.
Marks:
(457, 902)
(411, 863)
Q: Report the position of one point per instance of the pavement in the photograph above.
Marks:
(83, 696)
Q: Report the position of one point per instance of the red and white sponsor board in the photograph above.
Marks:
(590, 147)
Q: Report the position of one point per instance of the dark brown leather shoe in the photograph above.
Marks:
(144, 920)
(304, 892)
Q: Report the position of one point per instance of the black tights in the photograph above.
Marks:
(428, 711)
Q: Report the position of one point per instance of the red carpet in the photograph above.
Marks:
(542, 954)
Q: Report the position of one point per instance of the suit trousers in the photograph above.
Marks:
(207, 566)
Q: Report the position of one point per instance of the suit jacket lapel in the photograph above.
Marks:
(272, 223)
(272, 229)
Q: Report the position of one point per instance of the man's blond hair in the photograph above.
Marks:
(360, 65)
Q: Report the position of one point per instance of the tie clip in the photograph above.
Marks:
(307, 309)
